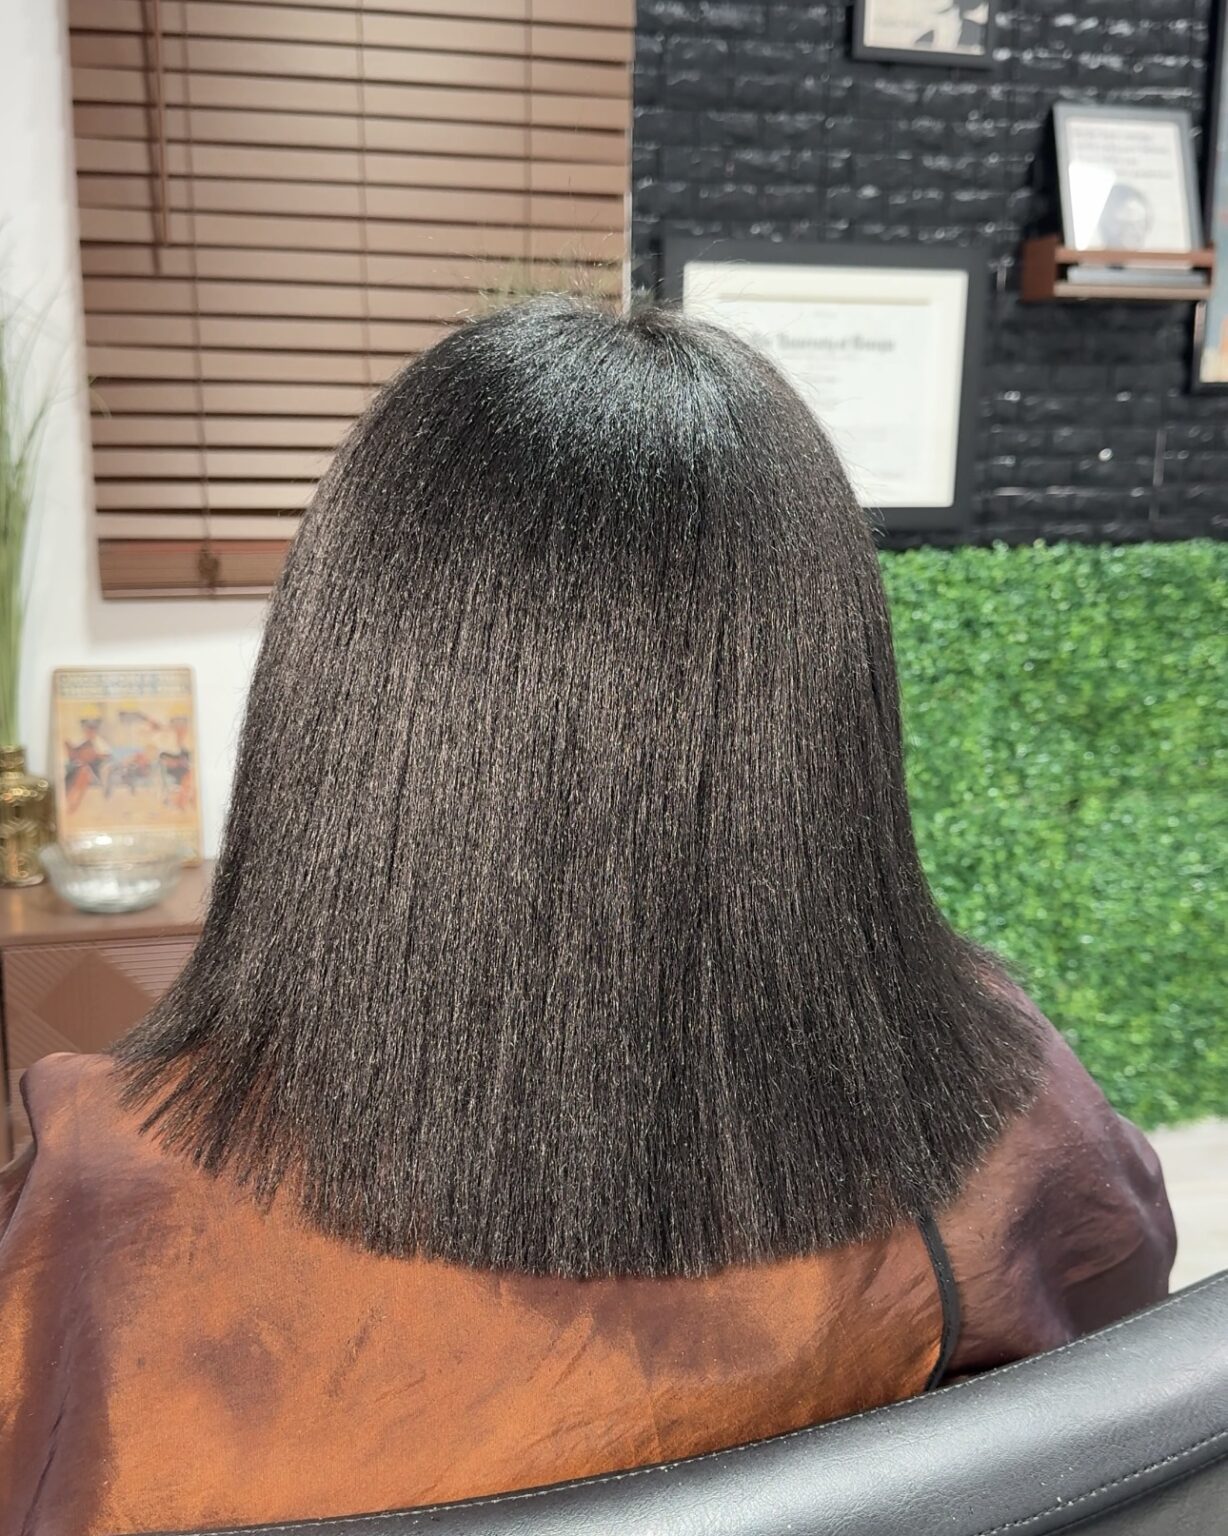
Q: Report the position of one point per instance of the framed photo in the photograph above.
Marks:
(1211, 317)
(124, 749)
(1127, 179)
(883, 342)
(925, 31)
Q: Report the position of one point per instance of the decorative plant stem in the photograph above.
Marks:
(20, 432)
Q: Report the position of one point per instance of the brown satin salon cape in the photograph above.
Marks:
(171, 1358)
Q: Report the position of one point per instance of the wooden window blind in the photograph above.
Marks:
(280, 202)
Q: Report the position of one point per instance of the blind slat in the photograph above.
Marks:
(517, 242)
(217, 463)
(105, 158)
(248, 334)
(163, 297)
(380, 29)
(245, 367)
(172, 525)
(344, 98)
(286, 268)
(342, 64)
(113, 124)
(296, 200)
(189, 495)
(293, 398)
(219, 431)
(606, 13)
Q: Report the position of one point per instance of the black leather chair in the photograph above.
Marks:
(1124, 1433)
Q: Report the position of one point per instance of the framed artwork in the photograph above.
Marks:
(884, 344)
(1126, 176)
(1211, 317)
(124, 750)
(925, 31)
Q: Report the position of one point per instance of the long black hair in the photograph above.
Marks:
(568, 917)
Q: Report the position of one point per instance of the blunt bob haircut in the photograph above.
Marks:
(568, 918)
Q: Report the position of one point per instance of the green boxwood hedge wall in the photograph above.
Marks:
(1064, 709)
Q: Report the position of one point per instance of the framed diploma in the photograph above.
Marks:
(884, 344)
(1211, 316)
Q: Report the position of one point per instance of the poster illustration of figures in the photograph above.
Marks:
(124, 748)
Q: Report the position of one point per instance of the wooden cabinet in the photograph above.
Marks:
(70, 981)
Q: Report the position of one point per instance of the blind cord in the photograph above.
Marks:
(164, 202)
(364, 261)
(530, 119)
(208, 565)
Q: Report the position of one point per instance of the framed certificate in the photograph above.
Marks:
(1127, 179)
(1211, 316)
(884, 344)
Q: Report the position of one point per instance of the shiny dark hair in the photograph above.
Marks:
(568, 918)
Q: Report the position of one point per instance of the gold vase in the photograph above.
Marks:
(27, 820)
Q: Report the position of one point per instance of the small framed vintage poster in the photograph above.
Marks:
(1126, 176)
(884, 344)
(1211, 316)
(925, 31)
(124, 749)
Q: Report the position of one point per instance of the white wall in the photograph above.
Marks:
(69, 624)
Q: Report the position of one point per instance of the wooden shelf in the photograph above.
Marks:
(1046, 260)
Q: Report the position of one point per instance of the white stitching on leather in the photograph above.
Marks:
(1018, 1525)
(413, 1517)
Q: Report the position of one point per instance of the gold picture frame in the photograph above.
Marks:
(124, 749)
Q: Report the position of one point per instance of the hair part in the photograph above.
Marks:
(568, 918)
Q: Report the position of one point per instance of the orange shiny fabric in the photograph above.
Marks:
(171, 1357)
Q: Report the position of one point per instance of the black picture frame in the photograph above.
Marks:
(1175, 117)
(862, 49)
(1215, 210)
(677, 252)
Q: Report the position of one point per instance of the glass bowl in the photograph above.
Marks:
(113, 872)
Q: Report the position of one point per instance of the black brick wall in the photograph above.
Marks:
(753, 120)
